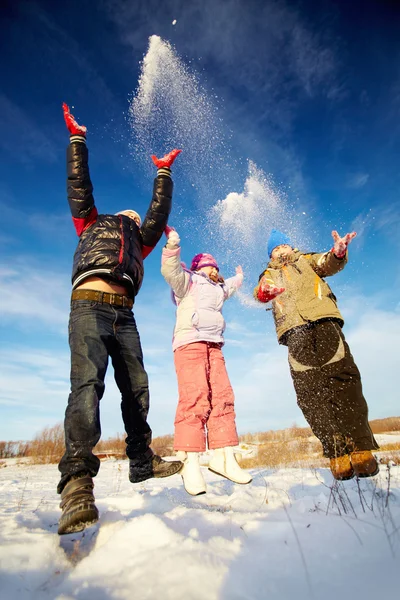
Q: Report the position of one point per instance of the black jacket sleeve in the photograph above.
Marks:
(79, 187)
(157, 215)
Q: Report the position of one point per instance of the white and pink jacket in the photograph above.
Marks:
(199, 301)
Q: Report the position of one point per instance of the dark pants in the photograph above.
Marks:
(328, 387)
(97, 331)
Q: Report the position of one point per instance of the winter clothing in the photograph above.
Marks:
(192, 476)
(205, 393)
(277, 238)
(166, 161)
(203, 260)
(341, 243)
(205, 396)
(75, 130)
(77, 504)
(223, 462)
(328, 388)
(97, 331)
(307, 296)
(341, 467)
(325, 377)
(112, 246)
(360, 464)
(199, 301)
(364, 464)
(150, 465)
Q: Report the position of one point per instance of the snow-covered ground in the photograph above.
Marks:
(291, 533)
(392, 437)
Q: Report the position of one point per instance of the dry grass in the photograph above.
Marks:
(48, 445)
(113, 446)
(390, 458)
(163, 445)
(390, 447)
(12, 449)
(385, 425)
(278, 435)
(287, 447)
(294, 452)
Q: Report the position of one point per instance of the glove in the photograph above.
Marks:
(340, 244)
(173, 238)
(239, 271)
(268, 291)
(167, 160)
(168, 230)
(72, 125)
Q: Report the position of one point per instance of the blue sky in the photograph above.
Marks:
(308, 92)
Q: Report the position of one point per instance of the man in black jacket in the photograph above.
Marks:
(107, 275)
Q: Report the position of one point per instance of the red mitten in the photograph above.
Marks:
(268, 292)
(173, 238)
(73, 127)
(167, 160)
(168, 230)
(340, 244)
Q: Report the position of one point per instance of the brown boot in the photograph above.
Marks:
(341, 467)
(364, 463)
(77, 504)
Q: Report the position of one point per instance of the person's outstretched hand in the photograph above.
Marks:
(239, 271)
(167, 160)
(340, 244)
(168, 229)
(73, 127)
(173, 238)
(268, 291)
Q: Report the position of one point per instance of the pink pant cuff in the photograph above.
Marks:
(215, 445)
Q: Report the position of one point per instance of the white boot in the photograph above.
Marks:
(192, 476)
(223, 462)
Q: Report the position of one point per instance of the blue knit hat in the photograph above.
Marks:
(277, 238)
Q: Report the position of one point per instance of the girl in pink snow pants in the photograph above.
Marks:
(206, 397)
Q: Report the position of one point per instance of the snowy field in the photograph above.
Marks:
(291, 533)
(392, 437)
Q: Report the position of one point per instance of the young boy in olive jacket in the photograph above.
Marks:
(325, 376)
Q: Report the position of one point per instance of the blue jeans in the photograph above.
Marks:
(96, 332)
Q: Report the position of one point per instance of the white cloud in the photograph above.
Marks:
(33, 297)
(374, 343)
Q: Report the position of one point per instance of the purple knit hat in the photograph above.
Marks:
(203, 260)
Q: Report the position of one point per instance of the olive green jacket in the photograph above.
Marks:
(307, 296)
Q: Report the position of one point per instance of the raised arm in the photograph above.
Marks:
(232, 284)
(330, 263)
(157, 215)
(171, 268)
(79, 185)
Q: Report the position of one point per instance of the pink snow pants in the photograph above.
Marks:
(205, 398)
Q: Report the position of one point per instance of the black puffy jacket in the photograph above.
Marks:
(112, 246)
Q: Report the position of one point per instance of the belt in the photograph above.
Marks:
(102, 297)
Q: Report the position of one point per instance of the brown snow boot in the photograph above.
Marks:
(341, 467)
(364, 463)
(150, 465)
(77, 504)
